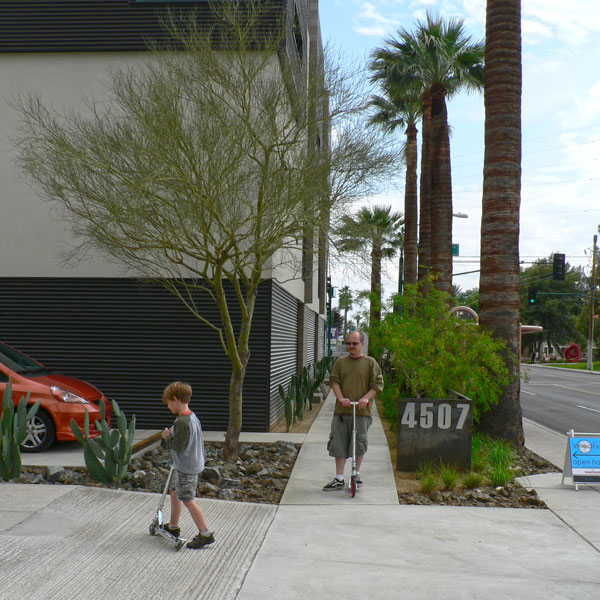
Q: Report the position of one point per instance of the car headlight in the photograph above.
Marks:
(65, 396)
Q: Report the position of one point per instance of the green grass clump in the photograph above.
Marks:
(428, 478)
(449, 476)
(493, 459)
(429, 483)
(500, 476)
(473, 480)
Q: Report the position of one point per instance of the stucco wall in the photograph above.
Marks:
(33, 236)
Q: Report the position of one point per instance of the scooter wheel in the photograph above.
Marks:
(179, 545)
(353, 486)
(153, 527)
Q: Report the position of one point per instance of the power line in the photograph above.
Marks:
(542, 137)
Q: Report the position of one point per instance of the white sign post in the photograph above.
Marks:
(582, 458)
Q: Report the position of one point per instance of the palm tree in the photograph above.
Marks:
(376, 231)
(444, 60)
(499, 297)
(345, 304)
(401, 109)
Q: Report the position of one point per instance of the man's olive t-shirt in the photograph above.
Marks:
(356, 376)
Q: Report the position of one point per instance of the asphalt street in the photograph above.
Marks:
(561, 399)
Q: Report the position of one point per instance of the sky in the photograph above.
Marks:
(560, 208)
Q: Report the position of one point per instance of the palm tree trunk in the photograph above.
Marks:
(425, 196)
(441, 193)
(410, 207)
(499, 298)
(375, 307)
(345, 322)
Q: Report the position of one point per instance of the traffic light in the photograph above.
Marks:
(336, 318)
(558, 267)
(532, 296)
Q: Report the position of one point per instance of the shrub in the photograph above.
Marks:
(431, 352)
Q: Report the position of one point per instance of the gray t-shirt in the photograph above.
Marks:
(187, 444)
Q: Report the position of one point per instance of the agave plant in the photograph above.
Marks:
(13, 431)
(107, 457)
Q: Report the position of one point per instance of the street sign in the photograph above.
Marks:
(455, 249)
(582, 458)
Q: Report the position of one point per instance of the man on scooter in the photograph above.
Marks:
(354, 378)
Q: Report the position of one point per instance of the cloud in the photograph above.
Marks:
(587, 110)
(372, 22)
(572, 22)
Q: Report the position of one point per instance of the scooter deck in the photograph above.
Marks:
(157, 525)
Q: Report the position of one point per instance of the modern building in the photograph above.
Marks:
(125, 335)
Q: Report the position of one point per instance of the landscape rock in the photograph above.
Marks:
(262, 471)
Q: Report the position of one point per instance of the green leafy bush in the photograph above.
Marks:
(430, 352)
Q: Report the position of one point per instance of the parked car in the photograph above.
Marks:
(62, 398)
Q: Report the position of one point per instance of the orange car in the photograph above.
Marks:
(62, 398)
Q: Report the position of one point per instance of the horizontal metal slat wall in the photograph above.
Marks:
(130, 339)
(284, 347)
(310, 327)
(321, 324)
(101, 25)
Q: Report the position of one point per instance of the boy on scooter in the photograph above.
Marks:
(187, 448)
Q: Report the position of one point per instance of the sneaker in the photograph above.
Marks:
(334, 484)
(176, 531)
(201, 540)
(358, 481)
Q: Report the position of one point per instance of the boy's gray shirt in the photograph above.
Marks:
(187, 444)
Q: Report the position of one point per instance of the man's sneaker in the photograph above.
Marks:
(176, 531)
(358, 481)
(334, 484)
(201, 540)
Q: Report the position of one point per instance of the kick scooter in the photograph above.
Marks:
(158, 526)
(352, 484)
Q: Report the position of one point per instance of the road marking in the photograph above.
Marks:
(574, 389)
(525, 392)
(586, 408)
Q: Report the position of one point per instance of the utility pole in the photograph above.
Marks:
(590, 358)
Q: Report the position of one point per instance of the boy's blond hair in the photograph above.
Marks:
(178, 389)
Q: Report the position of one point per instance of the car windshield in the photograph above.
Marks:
(17, 362)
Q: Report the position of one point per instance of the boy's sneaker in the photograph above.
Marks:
(201, 540)
(334, 484)
(358, 481)
(176, 531)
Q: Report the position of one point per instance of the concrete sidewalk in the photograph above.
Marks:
(59, 542)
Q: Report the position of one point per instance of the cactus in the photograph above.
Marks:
(13, 431)
(288, 398)
(299, 394)
(112, 447)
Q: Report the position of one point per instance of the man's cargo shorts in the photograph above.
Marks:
(340, 438)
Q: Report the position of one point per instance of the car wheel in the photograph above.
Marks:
(41, 433)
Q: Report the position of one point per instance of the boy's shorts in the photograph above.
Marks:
(184, 485)
(340, 438)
